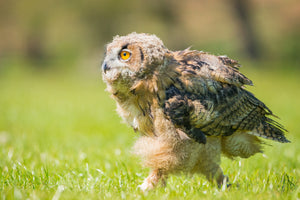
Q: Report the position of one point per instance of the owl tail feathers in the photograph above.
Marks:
(271, 129)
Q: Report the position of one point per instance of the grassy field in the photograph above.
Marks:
(60, 138)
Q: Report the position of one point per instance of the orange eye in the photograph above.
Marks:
(125, 55)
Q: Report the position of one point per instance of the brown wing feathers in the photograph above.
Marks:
(211, 101)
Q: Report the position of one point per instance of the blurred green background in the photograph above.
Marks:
(45, 33)
(58, 128)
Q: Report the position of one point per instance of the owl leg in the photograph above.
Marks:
(213, 172)
(153, 179)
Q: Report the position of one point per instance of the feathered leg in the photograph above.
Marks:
(208, 161)
(153, 179)
(213, 172)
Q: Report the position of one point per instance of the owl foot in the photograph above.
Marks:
(145, 186)
(223, 182)
(152, 180)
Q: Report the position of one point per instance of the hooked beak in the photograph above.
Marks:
(105, 67)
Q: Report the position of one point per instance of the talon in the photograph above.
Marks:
(145, 187)
(224, 183)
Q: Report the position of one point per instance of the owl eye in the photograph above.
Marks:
(125, 55)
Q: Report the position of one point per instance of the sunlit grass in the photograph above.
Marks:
(61, 138)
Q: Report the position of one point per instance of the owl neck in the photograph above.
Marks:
(139, 90)
(150, 87)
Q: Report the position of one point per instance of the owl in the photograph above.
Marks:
(189, 108)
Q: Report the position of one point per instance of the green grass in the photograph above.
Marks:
(60, 137)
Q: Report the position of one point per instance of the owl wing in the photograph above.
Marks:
(208, 99)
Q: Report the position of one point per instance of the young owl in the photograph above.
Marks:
(188, 106)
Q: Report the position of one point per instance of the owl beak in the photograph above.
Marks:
(105, 67)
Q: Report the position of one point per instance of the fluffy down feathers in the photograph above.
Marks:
(189, 107)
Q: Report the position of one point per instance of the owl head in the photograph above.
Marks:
(131, 57)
